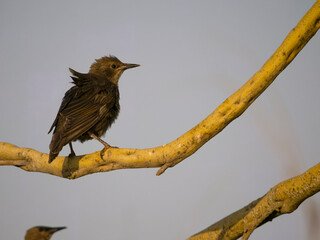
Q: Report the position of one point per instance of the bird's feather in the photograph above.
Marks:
(83, 106)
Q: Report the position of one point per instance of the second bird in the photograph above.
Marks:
(90, 107)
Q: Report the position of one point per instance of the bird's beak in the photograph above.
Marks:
(130, 65)
(56, 229)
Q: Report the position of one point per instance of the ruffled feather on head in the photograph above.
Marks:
(107, 58)
(103, 63)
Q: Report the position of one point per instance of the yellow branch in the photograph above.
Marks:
(283, 198)
(174, 152)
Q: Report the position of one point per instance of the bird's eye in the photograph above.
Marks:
(113, 66)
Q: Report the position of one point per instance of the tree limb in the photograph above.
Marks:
(174, 152)
(283, 198)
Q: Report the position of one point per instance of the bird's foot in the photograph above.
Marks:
(103, 151)
(106, 147)
(72, 153)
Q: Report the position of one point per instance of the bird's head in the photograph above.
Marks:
(41, 232)
(110, 67)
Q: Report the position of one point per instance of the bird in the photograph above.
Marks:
(41, 232)
(89, 107)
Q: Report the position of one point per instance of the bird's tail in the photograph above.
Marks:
(52, 156)
(55, 147)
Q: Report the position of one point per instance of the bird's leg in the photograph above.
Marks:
(106, 145)
(72, 154)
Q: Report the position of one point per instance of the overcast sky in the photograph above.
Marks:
(193, 55)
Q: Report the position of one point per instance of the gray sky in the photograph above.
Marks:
(193, 55)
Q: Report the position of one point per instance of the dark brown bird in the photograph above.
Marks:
(90, 107)
(41, 232)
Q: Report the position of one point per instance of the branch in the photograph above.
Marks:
(283, 198)
(174, 152)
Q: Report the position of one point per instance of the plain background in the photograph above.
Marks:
(193, 55)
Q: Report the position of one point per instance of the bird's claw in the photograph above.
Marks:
(105, 149)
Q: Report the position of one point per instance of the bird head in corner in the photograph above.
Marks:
(41, 232)
(110, 67)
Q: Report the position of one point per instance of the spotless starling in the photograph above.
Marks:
(41, 232)
(89, 107)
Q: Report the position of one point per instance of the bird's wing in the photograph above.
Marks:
(66, 99)
(82, 84)
(82, 112)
